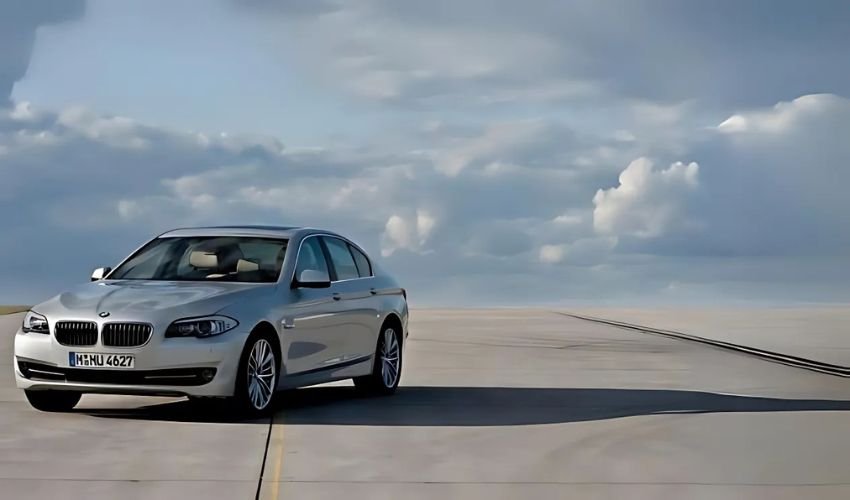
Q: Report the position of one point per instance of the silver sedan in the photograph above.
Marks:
(219, 312)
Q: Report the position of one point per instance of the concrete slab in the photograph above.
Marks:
(121, 447)
(527, 404)
(494, 404)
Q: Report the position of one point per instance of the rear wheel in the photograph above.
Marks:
(386, 369)
(53, 401)
(257, 377)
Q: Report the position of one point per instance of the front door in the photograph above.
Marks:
(313, 320)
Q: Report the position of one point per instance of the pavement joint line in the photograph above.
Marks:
(265, 455)
(344, 481)
(565, 483)
(785, 359)
(102, 480)
(275, 443)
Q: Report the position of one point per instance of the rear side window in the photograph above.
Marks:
(364, 268)
(341, 258)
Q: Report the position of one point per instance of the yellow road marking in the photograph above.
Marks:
(272, 479)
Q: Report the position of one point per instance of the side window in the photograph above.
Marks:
(342, 260)
(363, 265)
(311, 257)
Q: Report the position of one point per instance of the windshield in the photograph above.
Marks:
(206, 258)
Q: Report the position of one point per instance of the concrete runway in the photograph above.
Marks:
(815, 333)
(494, 404)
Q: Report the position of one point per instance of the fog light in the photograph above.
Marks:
(207, 374)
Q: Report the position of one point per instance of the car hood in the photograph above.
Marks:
(146, 300)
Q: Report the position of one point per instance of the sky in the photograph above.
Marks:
(487, 152)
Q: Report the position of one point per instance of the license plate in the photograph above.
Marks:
(99, 360)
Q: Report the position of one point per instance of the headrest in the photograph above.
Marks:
(203, 260)
(246, 266)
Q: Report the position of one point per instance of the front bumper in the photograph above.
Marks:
(171, 366)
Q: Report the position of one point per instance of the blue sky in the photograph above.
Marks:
(491, 152)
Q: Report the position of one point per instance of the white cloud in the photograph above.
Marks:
(552, 254)
(648, 202)
(528, 113)
(407, 233)
(520, 204)
(117, 131)
(22, 111)
(786, 115)
(569, 219)
(584, 251)
(496, 141)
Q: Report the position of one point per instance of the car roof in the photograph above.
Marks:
(248, 230)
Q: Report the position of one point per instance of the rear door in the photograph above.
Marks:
(352, 287)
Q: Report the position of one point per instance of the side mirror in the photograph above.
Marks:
(99, 273)
(311, 278)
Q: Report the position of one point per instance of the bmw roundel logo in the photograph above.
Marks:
(104, 314)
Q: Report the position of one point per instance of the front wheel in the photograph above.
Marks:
(257, 378)
(53, 401)
(386, 370)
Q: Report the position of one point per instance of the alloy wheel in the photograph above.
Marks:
(389, 358)
(261, 374)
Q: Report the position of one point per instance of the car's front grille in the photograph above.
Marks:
(170, 377)
(76, 333)
(126, 334)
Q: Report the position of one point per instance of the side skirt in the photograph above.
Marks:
(343, 370)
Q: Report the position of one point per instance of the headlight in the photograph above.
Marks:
(201, 327)
(36, 323)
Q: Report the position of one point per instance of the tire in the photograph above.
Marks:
(386, 369)
(255, 388)
(53, 401)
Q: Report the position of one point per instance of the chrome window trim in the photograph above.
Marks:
(298, 255)
(345, 244)
(328, 235)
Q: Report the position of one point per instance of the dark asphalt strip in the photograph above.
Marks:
(786, 359)
(265, 455)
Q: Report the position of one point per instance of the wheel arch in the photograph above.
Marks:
(393, 320)
(265, 328)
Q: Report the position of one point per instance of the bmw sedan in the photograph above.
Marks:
(219, 312)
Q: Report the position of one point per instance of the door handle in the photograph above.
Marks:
(336, 296)
(373, 291)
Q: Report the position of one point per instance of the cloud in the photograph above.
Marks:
(807, 110)
(762, 193)
(770, 182)
(647, 203)
(552, 254)
(75, 176)
(291, 7)
(18, 23)
(530, 140)
(492, 53)
(573, 150)
(410, 233)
